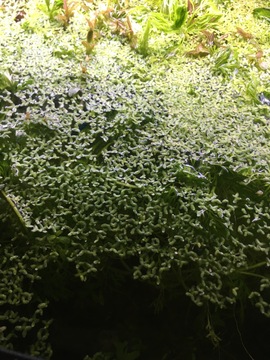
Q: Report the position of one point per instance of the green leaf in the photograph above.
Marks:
(262, 13)
(180, 17)
(143, 48)
(6, 83)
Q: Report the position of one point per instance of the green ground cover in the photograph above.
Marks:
(134, 160)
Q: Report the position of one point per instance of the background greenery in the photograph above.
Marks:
(134, 167)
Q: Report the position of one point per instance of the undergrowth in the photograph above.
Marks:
(124, 141)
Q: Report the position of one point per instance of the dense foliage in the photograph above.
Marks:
(162, 166)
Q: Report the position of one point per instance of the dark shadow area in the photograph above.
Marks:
(130, 317)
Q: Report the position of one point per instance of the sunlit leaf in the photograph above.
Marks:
(262, 13)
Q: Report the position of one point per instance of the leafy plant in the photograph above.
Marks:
(91, 37)
(200, 50)
(120, 23)
(12, 206)
(144, 41)
(179, 17)
(253, 89)
(51, 8)
(168, 6)
(244, 34)
(208, 45)
(67, 12)
(262, 13)
(191, 18)
(258, 59)
(226, 62)
(200, 18)
(7, 83)
(8, 90)
(157, 166)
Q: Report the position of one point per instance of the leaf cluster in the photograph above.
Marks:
(51, 8)
(128, 160)
(190, 18)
